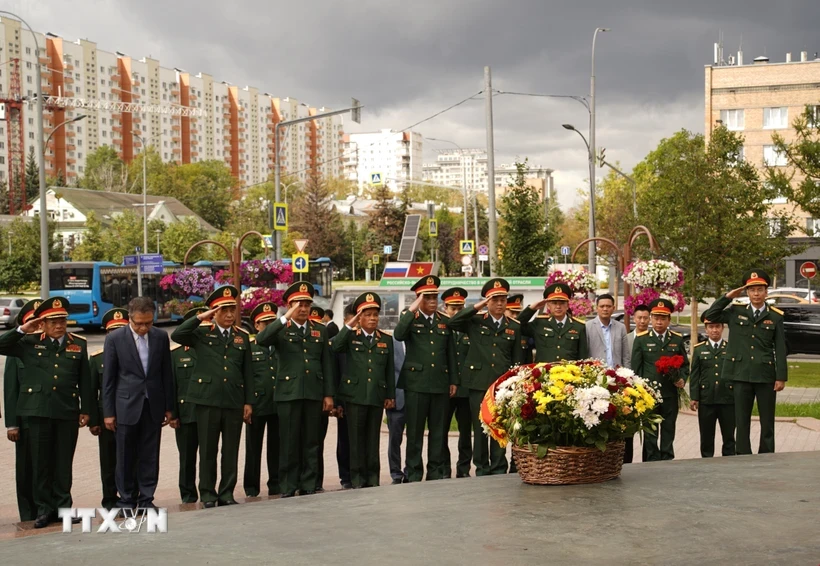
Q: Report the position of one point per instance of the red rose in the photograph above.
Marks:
(536, 386)
(610, 412)
(612, 388)
(547, 367)
(528, 410)
(621, 380)
(536, 372)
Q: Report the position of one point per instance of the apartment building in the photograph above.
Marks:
(396, 155)
(757, 100)
(227, 123)
(453, 166)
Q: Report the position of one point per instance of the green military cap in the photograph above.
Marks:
(316, 314)
(115, 318)
(263, 312)
(427, 285)
(193, 312)
(367, 301)
(299, 291)
(27, 311)
(223, 297)
(53, 307)
(756, 277)
(454, 296)
(515, 302)
(557, 292)
(495, 287)
(661, 306)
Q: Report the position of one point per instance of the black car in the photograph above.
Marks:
(802, 325)
(683, 330)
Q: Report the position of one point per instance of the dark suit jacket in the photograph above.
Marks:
(125, 383)
(332, 330)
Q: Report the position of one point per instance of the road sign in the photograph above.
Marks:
(300, 245)
(432, 228)
(268, 239)
(483, 257)
(300, 263)
(467, 269)
(565, 250)
(280, 216)
(129, 260)
(376, 260)
(377, 178)
(466, 260)
(467, 247)
(151, 263)
(808, 269)
(388, 250)
(483, 249)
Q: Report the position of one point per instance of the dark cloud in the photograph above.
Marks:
(407, 60)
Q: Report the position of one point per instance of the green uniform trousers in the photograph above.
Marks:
(211, 424)
(324, 422)
(745, 395)
(460, 407)
(299, 423)
(364, 423)
(187, 439)
(108, 466)
(52, 443)
(420, 409)
(22, 470)
(708, 416)
(651, 452)
(254, 439)
(488, 456)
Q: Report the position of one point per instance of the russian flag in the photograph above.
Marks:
(395, 269)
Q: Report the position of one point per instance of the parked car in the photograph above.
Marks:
(9, 307)
(801, 323)
(803, 293)
(683, 330)
(780, 299)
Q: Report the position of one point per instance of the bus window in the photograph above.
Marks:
(64, 278)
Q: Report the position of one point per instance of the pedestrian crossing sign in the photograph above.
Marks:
(467, 247)
(280, 216)
(377, 179)
(432, 228)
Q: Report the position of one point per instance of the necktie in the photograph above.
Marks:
(370, 340)
(142, 349)
(497, 325)
(560, 325)
(55, 344)
(302, 331)
(757, 313)
(226, 335)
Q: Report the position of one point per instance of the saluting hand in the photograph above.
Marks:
(207, 315)
(481, 304)
(354, 322)
(416, 304)
(32, 325)
(537, 306)
(735, 293)
(291, 310)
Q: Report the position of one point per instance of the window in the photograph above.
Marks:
(772, 157)
(104, 134)
(774, 118)
(80, 143)
(776, 226)
(814, 116)
(733, 119)
(79, 129)
(28, 50)
(812, 227)
(31, 135)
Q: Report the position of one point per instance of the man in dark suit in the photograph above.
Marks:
(138, 397)
(332, 327)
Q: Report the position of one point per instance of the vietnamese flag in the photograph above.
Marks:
(420, 269)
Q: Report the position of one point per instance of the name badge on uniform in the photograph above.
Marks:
(357, 342)
(418, 325)
(651, 345)
(509, 331)
(381, 345)
(73, 348)
(39, 347)
(741, 317)
(315, 333)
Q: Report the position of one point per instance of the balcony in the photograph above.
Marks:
(71, 174)
(117, 141)
(70, 161)
(117, 128)
(70, 147)
(194, 154)
(175, 92)
(68, 66)
(175, 139)
(45, 60)
(116, 78)
(175, 127)
(176, 150)
(70, 134)
(136, 119)
(194, 131)
(68, 79)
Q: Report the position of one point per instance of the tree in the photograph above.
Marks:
(206, 187)
(32, 176)
(340, 188)
(524, 239)
(386, 222)
(707, 209)
(105, 171)
(178, 237)
(447, 242)
(21, 267)
(4, 198)
(800, 181)
(92, 246)
(318, 221)
(159, 174)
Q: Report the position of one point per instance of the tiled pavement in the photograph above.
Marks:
(799, 395)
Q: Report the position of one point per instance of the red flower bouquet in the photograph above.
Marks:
(668, 367)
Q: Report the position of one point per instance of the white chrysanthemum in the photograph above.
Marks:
(517, 425)
(626, 373)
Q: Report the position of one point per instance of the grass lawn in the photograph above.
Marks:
(795, 410)
(804, 374)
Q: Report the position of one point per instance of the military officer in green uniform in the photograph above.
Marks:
(454, 299)
(17, 427)
(305, 388)
(113, 319)
(515, 304)
(647, 349)
(265, 415)
(222, 389)
(368, 388)
(55, 397)
(712, 395)
(755, 357)
(557, 335)
(183, 362)
(495, 346)
(317, 315)
(428, 377)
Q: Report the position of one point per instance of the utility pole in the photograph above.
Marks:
(488, 110)
(592, 150)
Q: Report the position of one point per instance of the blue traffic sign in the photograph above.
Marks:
(388, 250)
(129, 260)
(564, 250)
(300, 263)
(149, 263)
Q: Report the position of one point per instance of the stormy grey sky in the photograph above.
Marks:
(408, 60)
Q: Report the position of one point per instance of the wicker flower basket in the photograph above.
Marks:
(567, 465)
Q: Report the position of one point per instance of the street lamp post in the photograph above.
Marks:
(144, 209)
(591, 146)
(158, 232)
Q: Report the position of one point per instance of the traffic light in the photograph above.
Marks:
(601, 156)
(356, 112)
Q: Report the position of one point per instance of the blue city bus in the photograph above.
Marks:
(94, 287)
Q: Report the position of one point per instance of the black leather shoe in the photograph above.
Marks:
(290, 494)
(307, 493)
(396, 481)
(42, 521)
(459, 476)
(76, 520)
(229, 502)
(320, 490)
(209, 504)
(347, 485)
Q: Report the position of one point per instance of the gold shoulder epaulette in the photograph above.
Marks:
(543, 316)
(317, 322)
(83, 338)
(444, 315)
(576, 319)
(644, 333)
(97, 353)
(175, 346)
(515, 320)
(253, 338)
(675, 333)
(240, 329)
(386, 332)
(700, 343)
(777, 310)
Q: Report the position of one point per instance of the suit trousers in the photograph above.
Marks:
(137, 469)
(651, 452)
(420, 409)
(23, 475)
(708, 416)
(343, 446)
(745, 395)
(254, 437)
(211, 424)
(460, 407)
(629, 448)
(364, 429)
(52, 443)
(187, 445)
(107, 441)
(395, 429)
(299, 423)
(488, 456)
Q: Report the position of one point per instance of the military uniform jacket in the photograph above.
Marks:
(305, 369)
(462, 342)
(492, 351)
(183, 362)
(551, 343)
(429, 359)
(707, 382)
(56, 381)
(11, 390)
(371, 376)
(757, 348)
(95, 366)
(648, 349)
(264, 379)
(223, 376)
